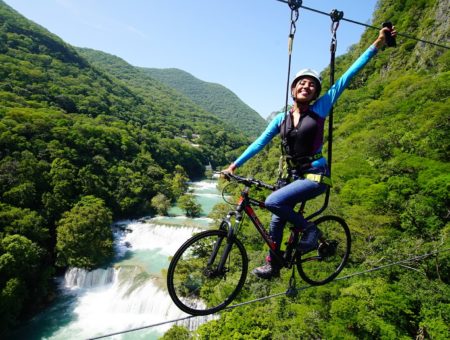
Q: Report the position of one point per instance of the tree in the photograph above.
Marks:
(84, 236)
(179, 181)
(11, 300)
(20, 274)
(187, 202)
(24, 222)
(161, 203)
(19, 257)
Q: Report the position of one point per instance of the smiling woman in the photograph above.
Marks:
(307, 173)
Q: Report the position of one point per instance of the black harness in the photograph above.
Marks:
(299, 143)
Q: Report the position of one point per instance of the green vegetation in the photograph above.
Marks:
(80, 147)
(214, 98)
(161, 204)
(86, 138)
(391, 184)
(188, 203)
(84, 235)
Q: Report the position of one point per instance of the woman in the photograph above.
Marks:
(301, 131)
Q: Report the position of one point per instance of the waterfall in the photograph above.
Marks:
(133, 298)
(164, 238)
(132, 292)
(81, 278)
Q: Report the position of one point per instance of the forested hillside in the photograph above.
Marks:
(391, 176)
(193, 97)
(212, 97)
(79, 148)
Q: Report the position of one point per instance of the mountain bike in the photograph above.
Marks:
(208, 271)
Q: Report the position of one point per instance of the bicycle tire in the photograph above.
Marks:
(194, 286)
(324, 264)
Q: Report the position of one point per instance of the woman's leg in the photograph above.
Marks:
(276, 229)
(282, 202)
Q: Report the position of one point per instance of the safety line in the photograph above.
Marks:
(415, 258)
(370, 26)
(143, 327)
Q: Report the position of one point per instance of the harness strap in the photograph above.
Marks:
(319, 179)
(287, 163)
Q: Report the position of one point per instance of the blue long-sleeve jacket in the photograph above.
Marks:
(321, 107)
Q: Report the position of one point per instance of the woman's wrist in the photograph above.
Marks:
(378, 43)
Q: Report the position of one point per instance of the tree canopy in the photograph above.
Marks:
(71, 130)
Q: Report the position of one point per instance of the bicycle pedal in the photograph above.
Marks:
(327, 249)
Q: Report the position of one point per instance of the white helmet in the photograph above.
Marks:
(308, 72)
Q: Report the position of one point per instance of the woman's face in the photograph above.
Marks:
(305, 90)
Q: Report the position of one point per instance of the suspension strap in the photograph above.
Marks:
(294, 5)
(335, 16)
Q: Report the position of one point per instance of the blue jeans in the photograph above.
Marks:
(281, 204)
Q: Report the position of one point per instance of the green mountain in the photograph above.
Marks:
(79, 147)
(192, 92)
(212, 97)
(153, 90)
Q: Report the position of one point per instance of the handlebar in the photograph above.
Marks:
(247, 181)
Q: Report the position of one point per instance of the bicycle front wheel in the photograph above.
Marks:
(324, 264)
(207, 272)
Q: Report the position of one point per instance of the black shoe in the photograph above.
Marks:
(309, 239)
(267, 271)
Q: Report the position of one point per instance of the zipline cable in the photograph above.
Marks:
(373, 27)
(400, 262)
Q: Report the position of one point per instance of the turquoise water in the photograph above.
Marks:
(205, 193)
(134, 295)
(150, 261)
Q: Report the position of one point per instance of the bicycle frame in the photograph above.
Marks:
(220, 261)
(244, 204)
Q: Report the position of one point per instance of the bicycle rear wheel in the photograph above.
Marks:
(196, 282)
(325, 263)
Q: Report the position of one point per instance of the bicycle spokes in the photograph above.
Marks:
(207, 272)
(324, 264)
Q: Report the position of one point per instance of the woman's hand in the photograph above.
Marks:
(231, 169)
(381, 39)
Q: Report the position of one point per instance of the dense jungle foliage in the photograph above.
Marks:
(391, 177)
(79, 148)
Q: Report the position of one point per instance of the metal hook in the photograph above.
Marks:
(335, 16)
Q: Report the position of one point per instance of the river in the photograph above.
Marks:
(131, 293)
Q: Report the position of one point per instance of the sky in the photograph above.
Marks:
(240, 44)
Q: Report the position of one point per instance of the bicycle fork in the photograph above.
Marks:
(220, 268)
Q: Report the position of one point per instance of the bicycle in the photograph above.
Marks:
(209, 270)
